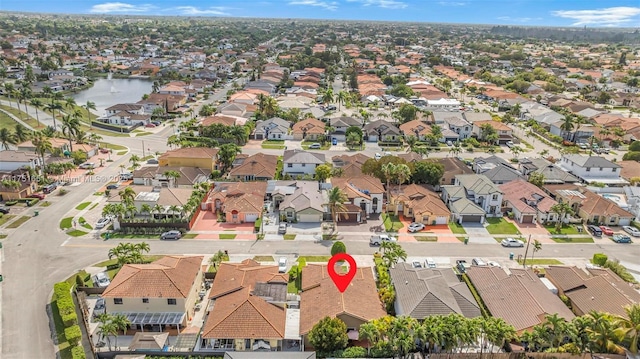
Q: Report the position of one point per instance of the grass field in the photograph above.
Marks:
(541, 261)
(189, 235)
(289, 237)
(391, 222)
(501, 226)
(264, 259)
(6, 218)
(320, 259)
(564, 230)
(18, 222)
(573, 240)
(227, 236)
(82, 206)
(76, 233)
(426, 238)
(7, 122)
(456, 228)
(66, 223)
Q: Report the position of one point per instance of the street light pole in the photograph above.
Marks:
(524, 262)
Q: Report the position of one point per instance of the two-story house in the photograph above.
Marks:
(459, 126)
(299, 163)
(472, 197)
(527, 202)
(381, 131)
(274, 128)
(166, 289)
(505, 133)
(200, 157)
(340, 125)
(593, 169)
(416, 128)
(363, 191)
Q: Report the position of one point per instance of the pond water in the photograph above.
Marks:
(105, 93)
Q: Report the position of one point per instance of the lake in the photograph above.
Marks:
(105, 93)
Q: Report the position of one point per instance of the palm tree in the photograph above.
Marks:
(42, 146)
(70, 128)
(562, 209)
(175, 210)
(388, 171)
(629, 326)
(135, 161)
(53, 106)
(567, 126)
(341, 97)
(21, 133)
(121, 322)
(8, 89)
(69, 102)
(603, 333)
(107, 330)
(127, 195)
(89, 106)
(327, 96)
(7, 138)
(370, 333)
(337, 199)
(402, 173)
(172, 176)
(145, 208)
(37, 103)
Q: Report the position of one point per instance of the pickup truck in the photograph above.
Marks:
(377, 239)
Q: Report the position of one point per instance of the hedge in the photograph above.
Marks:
(73, 334)
(257, 224)
(61, 290)
(599, 259)
(70, 319)
(78, 353)
(65, 306)
(483, 308)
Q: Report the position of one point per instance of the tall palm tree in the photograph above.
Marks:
(370, 333)
(127, 195)
(402, 173)
(388, 171)
(327, 96)
(7, 138)
(37, 103)
(567, 126)
(69, 102)
(89, 106)
(562, 209)
(629, 326)
(42, 146)
(537, 245)
(603, 333)
(341, 97)
(70, 127)
(8, 90)
(336, 201)
(120, 322)
(135, 161)
(146, 208)
(53, 106)
(21, 133)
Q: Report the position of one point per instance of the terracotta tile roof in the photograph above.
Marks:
(599, 290)
(168, 277)
(521, 299)
(420, 199)
(452, 164)
(191, 152)
(310, 126)
(358, 159)
(526, 197)
(258, 165)
(218, 119)
(410, 157)
(240, 196)
(321, 298)
(498, 126)
(415, 128)
(362, 184)
(630, 169)
(235, 276)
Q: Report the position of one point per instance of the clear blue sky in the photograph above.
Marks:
(590, 13)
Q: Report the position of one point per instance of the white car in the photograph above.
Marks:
(87, 166)
(377, 239)
(632, 231)
(510, 242)
(415, 227)
(378, 156)
(282, 265)
(102, 222)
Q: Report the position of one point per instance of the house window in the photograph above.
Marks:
(145, 300)
(612, 220)
(304, 165)
(224, 343)
(171, 301)
(614, 170)
(117, 300)
(600, 169)
(588, 169)
(289, 165)
(494, 197)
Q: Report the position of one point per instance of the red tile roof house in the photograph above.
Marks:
(249, 310)
(520, 298)
(528, 203)
(167, 289)
(320, 298)
(309, 129)
(239, 202)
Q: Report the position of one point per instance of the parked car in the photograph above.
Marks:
(621, 238)
(606, 230)
(511, 242)
(157, 123)
(331, 108)
(478, 262)
(334, 141)
(493, 264)
(126, 176)
(315, 146)
(510, 144)
(378, 156)
(102, 222)
(415, 227)
(174, 234)
(4, 210)
(113, 186)
(282, 265)
(450, 143)
(99, 308)
(151, 161)
(36, 195)
(377, 239)
(583, 146)
(150, 125)
(416, 264)
(462, 265)
(104, 150)
(101, 280)
(594, 230)
(49, 188)
(430, 263)
(632, 231)
(87, 166)
(282, 228)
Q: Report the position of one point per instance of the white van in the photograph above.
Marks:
(430, 263)
(377, 239)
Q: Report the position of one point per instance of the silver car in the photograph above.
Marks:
(632, 231)
(282, 265)
(511, 242)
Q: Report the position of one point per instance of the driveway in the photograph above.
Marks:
(477, 233)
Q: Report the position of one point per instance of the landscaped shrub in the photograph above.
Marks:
(11, 203)
(354, 352)
(65, 306)
(621, 271)
(257, 224)
(78, 353)
(338, 247)
(70, 319)
(73, 334)
(599, 259)
(61, 290)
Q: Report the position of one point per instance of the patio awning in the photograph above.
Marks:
(155, 318)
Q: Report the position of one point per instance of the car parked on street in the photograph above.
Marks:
(315, 146)
(174, 234)
(430, 263)
(621, 238)
(594, 230)
(416, 264)
(377, 239)
(511, 242)
(113, 186)
(4, 210)
(102, 222)
(631, 230)
(36, 195)
(87, 166)
(415, 227)
(606, 230)
(282, 228)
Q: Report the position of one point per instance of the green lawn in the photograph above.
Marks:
(456, 228)
(44, 204)
(391, 222)
(541, 261)
(6, 218)
(82, 206)
(566, 229)
(7, 122)
(310, 259)
(329, 237)
(273, 144)
(3, 236)
(289, 237)
(264, 259)
(76, 233)
(573, 240)
(227, 236)
(189, 235)
(501, 226)
(18, 222)
(115, 147)
(94, 206)
(66, 223)
(426, 238)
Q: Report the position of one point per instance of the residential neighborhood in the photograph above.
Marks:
(182, 184)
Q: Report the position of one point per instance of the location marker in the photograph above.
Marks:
(342, 280)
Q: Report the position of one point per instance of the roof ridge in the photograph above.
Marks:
(173, 282)
(262, 314)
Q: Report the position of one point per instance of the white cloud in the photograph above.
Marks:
(323, 4)
(387, 4)
(519, 19)
(192, 10)
(119, 7)
(611, 16)
(452, 3)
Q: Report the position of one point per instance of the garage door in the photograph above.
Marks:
(527, 219)
(443, 220)
(309, 218)
(250, 217)
(348, 217)
(470, 218)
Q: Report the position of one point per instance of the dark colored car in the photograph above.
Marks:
(621, 238)
(595, 230)
(113, 186)
(36, 195)
(4, 210)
